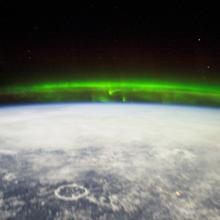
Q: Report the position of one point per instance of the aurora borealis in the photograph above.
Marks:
(110, 52)
(112, 90)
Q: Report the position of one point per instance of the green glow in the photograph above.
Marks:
(124, 91)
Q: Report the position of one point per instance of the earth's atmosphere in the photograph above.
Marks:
(109, 161)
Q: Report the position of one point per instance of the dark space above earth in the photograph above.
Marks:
(47, 50)
(91, 41)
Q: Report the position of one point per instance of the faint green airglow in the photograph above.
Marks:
(124, 91)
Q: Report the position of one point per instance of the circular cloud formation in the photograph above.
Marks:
(71, 192)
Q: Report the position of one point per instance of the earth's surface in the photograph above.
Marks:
(109, 161)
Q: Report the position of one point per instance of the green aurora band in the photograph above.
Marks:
(115, 91)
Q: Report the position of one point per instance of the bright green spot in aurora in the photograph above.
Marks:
(124, 91)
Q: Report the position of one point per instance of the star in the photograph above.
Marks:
(35, 28)
(92, 5)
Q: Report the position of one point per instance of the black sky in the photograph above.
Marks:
(39, 41)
